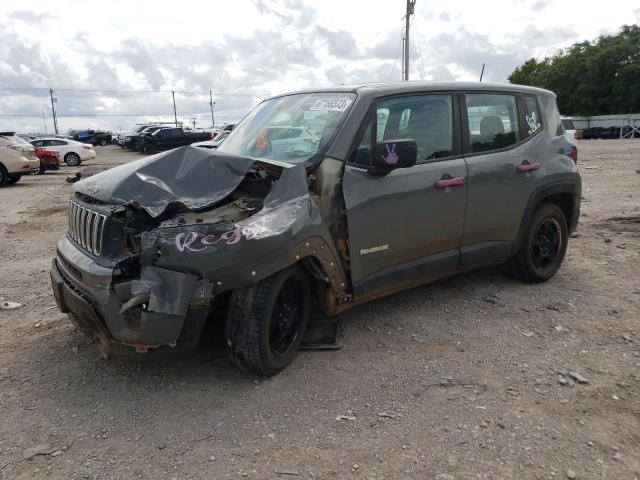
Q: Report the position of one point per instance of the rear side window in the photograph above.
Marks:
(427, 119)
(532, 115)
(567, 124)
(493, 121)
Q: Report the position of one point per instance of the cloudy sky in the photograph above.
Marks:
(114, 63)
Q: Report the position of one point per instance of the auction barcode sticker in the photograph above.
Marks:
(331, 104)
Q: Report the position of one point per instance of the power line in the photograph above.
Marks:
(71, 115)
(418, 48)
(393, 67)
(89, 90)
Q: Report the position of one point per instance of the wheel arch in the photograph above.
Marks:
(566, 194)
(314, 255)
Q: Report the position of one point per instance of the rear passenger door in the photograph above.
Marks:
(404, 227)
(500, 133)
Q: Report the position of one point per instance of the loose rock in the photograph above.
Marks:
(351, 418)
(578, 378)
(44, 449)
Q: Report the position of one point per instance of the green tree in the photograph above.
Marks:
(591, 78)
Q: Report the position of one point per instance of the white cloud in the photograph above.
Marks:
(256, 48)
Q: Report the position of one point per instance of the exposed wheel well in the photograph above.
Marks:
(562, 200)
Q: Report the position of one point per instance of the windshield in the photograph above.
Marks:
(291, 129)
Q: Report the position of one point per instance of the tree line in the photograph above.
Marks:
(591, 78)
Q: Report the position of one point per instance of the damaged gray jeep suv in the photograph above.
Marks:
(316, 202)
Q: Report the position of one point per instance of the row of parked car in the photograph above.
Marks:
(152, 138)
(20, 157)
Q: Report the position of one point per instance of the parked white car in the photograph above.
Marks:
(569, 129)
(72, 152)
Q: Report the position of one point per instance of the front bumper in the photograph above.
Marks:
(88, 155)
(93, 300)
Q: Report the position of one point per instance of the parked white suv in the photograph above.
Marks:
(569, 129)
(17, 158)
(72, 152)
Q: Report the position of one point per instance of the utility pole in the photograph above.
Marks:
(410, 9)
(53, 111)
(211, 104)
(175, 114)
(402, 68)
(482, 72)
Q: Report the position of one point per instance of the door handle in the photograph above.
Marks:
(528, 167)
(449, 182)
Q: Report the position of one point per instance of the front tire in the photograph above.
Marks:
(12, 180)
(266, 321)
(72, 159)
(3, 176)
(544, 246)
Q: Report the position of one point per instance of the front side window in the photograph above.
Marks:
(292, 129)
(493, 121)
(426, 119)
(362, 154)
(531, 115)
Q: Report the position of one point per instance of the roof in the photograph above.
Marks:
(383, 89)
(53, 138)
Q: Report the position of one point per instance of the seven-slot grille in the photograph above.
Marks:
(86, 227)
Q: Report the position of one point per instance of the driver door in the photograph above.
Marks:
(403, 229)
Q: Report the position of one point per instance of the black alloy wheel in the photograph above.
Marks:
(286, 316)
(546, 243)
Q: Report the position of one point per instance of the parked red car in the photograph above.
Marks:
(49, 159)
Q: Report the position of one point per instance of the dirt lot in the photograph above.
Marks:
(455, 380)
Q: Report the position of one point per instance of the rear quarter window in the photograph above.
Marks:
(532, 115)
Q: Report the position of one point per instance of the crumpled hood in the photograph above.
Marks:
(188, 176)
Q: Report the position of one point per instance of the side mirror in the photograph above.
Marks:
(392, 154)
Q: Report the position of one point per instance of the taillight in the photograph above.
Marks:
(87, 147)
(571, 152)
(210, 136)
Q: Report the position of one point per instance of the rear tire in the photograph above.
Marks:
(544, 245)
(72, 159)
(3, 176)
(12, 180)
(266, 321)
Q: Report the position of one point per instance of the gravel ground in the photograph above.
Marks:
(477, 376)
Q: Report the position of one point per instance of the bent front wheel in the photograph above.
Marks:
(266, 321)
